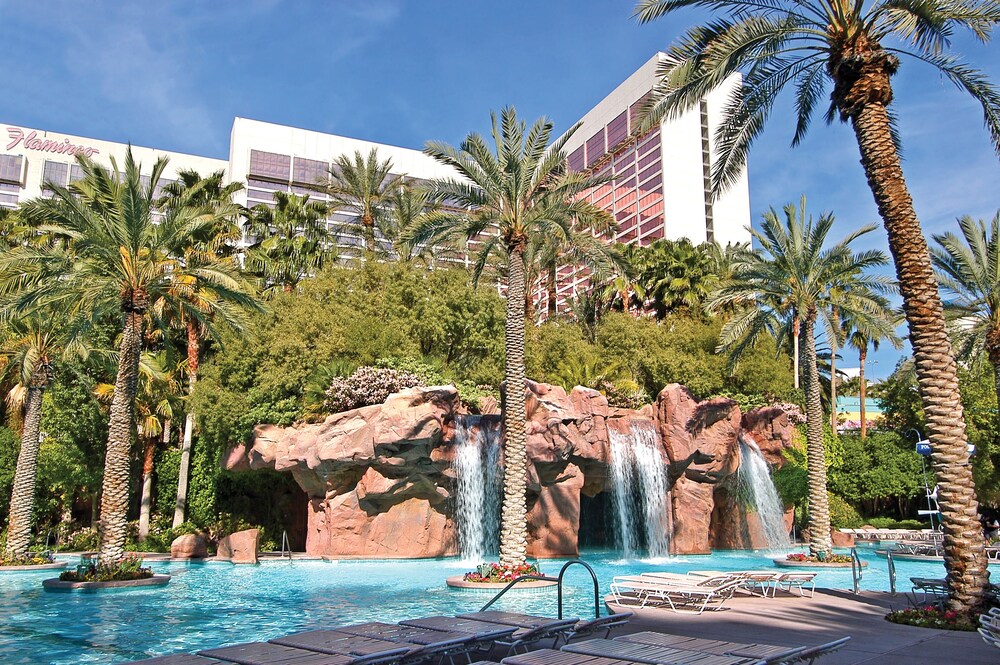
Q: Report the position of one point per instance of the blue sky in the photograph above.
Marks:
(173, 75)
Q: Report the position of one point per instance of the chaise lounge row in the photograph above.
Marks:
(437, 638)
(700, 590)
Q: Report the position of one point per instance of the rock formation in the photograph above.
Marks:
(380, 480)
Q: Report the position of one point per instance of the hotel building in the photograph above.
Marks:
(660, 186)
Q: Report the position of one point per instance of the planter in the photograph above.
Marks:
(786, 563)
(55, 584)
(459, 582)
(57, 565)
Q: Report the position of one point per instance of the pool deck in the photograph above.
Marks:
(791, 621)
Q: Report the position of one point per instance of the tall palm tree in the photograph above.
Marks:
(405, 208)
(512, 194)
(26, 354)
(860, 334)
(969, 270)
(854, 49)
(363, 186)
(625, 289)
(113, 257)
(793, 273)
(215, 245)
(290, 240)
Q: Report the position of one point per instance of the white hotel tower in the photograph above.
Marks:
(660, 187)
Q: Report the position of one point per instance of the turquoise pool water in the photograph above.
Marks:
(211, 604)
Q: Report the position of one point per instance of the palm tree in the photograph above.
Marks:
(792, 275)
(405, 208)
(862, 333)
(26, 357)
(584, 247)
(291, 240)
(624, 289)
(677, 275)
(156, 393)
(363, 186)
(113, 256)
(969, 270)
(214, 247)
(855, 50)
(511, 196)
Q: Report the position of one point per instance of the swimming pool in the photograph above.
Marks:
(211, 604)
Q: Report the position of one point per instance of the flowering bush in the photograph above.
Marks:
(625, 394)
(793, 411)
(129, 568)
(495, 572)
(30, 559)
(829, 558)
(366, 386)
(929, 616)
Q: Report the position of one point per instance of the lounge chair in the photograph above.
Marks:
(532, 629)
(594, 626)
(694, 598)
(989, 627)
(265, 653)
(927, 591)
(337, 642)
(553, 657)
(812, 654)
(179, 659)
(767, 654)
(638, 652)
(754, 581)
(786, 581)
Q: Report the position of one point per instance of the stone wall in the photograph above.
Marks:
(380, 480)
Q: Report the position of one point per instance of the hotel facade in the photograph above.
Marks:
(660, 187)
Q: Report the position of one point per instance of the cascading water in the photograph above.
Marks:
(477, 467)
(639, 491)
(755, 485)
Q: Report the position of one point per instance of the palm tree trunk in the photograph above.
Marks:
(552, 293)
(795, 349)
(114, 489)
(513, 517)
(145, 505)
(863, 390)
(22, 497)
(819, 508)
(193, 353)
(833, 373)
(937, 379)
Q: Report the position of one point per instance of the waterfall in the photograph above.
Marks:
(639, 491)
(477, 467)
(754, 484)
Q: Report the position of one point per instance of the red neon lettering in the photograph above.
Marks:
(32, 142)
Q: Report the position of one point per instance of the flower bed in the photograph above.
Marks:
(829, 558)
(933, 617)
(494, 573)
(31, 559)
(129, 569)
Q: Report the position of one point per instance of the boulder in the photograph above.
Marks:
(841, 539)
(771, 430)
(239, 547)
(189, 546)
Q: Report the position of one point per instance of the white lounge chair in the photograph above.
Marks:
(680, 598)
(786, 581)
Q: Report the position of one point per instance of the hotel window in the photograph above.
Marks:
(310, 171)
(618, 130)
(270, 165)
(56, 173)
(576, 160)
(11, 168)
(595, 147)
(635, 110)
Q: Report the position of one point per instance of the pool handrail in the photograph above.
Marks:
(559, 586)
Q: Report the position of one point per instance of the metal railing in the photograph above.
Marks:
(857, 570)
(559, 586)
(891, 563)
(286, 547)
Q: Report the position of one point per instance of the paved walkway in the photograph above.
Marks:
(791, 621)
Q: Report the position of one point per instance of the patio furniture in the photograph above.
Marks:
(337, 642)
(812, 654)
(932, 591)
(637, 652)
(768, 654)
(179, 659)
(693, 599)
(265, 653)
(786, 581)
(989, 627)
(595, 626)
(755, 582)
(553, 657)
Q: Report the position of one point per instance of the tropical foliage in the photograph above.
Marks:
(853, 50)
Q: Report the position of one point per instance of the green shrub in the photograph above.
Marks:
(842, 514)
(129, 568)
